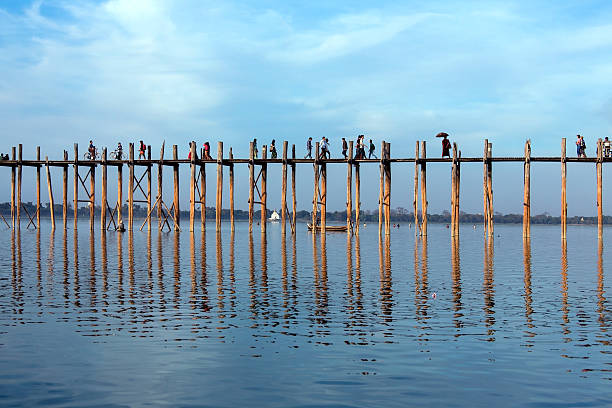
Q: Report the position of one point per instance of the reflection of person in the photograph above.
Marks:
(446, 145)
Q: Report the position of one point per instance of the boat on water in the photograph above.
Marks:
(274, 217)
(328, 228)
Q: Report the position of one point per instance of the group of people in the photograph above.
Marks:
(206, 150)
(93, 151)
(581, 146)
(325, 153)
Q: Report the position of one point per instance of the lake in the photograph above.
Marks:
(226, 320)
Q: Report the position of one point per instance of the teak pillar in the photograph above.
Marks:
(14, 156)
(315, 196)
(381, 190)
(323, 195)
(456, 171)
(131, 188)
(203, 193)
(357, 196)
(293, 197)
(527, 191)
(65, 191)
(264, 187)
(231, 189)
(192, 186)
(284, 190)
(251, 184)
(104, 191)
(415, 202)
(19, 171)
(487, 188)
(599, 188)
(219, 208)
(92, 196)
(76, 184)
(160, 186)
(149, 189)
(119, 193)
(387, 198)
(563, 190)
(423, 189)
(349, 188)
(50, 188)
(38, 188)
(177, 206)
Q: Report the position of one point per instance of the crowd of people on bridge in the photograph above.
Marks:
(324, 149)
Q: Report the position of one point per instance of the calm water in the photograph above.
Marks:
(245, 320)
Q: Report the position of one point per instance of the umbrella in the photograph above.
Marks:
(442, 134)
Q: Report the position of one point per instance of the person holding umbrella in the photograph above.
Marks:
(446, 144)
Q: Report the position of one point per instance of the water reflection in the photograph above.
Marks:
(564, 289)
(489, 288)
(604, 316)
(456, 279)
(386, 284)
(527, 284)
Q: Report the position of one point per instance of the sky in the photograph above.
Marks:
(175, 71)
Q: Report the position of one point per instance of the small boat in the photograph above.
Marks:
(274, 217)
(329, 228)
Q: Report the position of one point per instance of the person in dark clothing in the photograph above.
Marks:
(308, 148)
(446, 146)
(142, 150)
(371, 152)
(273, 153)
(344, 148)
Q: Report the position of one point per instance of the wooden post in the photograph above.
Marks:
(160, 172)
(490, 185)
(14, 154)
(423, 189)
(284, 190)
(92, 196)
(527, 192)
(387, 197)
(293, 198)
(251, 184)
(264, 188)
(149, 206)
(65, 191)
(76, 184)
(357, 197)
(177, 206)
(563, 190)
(104, 192)
(131, 188)
(119, 193)
(192, 183)
(219, 184)
(457, 190)
(453, 187)
(381, 190)
(599, 188)
(315, 199)
(38, 188)
(323, 177)
(349, 189)
(50, 188)
(231, 189)
(203, 193)
(19, 170)
(415, 202)
(485, 194)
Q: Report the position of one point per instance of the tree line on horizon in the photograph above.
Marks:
(398, 215)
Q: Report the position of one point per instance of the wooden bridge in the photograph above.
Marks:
(168, 213)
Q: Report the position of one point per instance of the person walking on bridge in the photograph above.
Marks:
(371, 152)
(308, 148)
(344, 148)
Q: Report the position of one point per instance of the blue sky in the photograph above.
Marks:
(125, 70)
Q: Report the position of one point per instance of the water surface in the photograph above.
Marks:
(223, 320)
